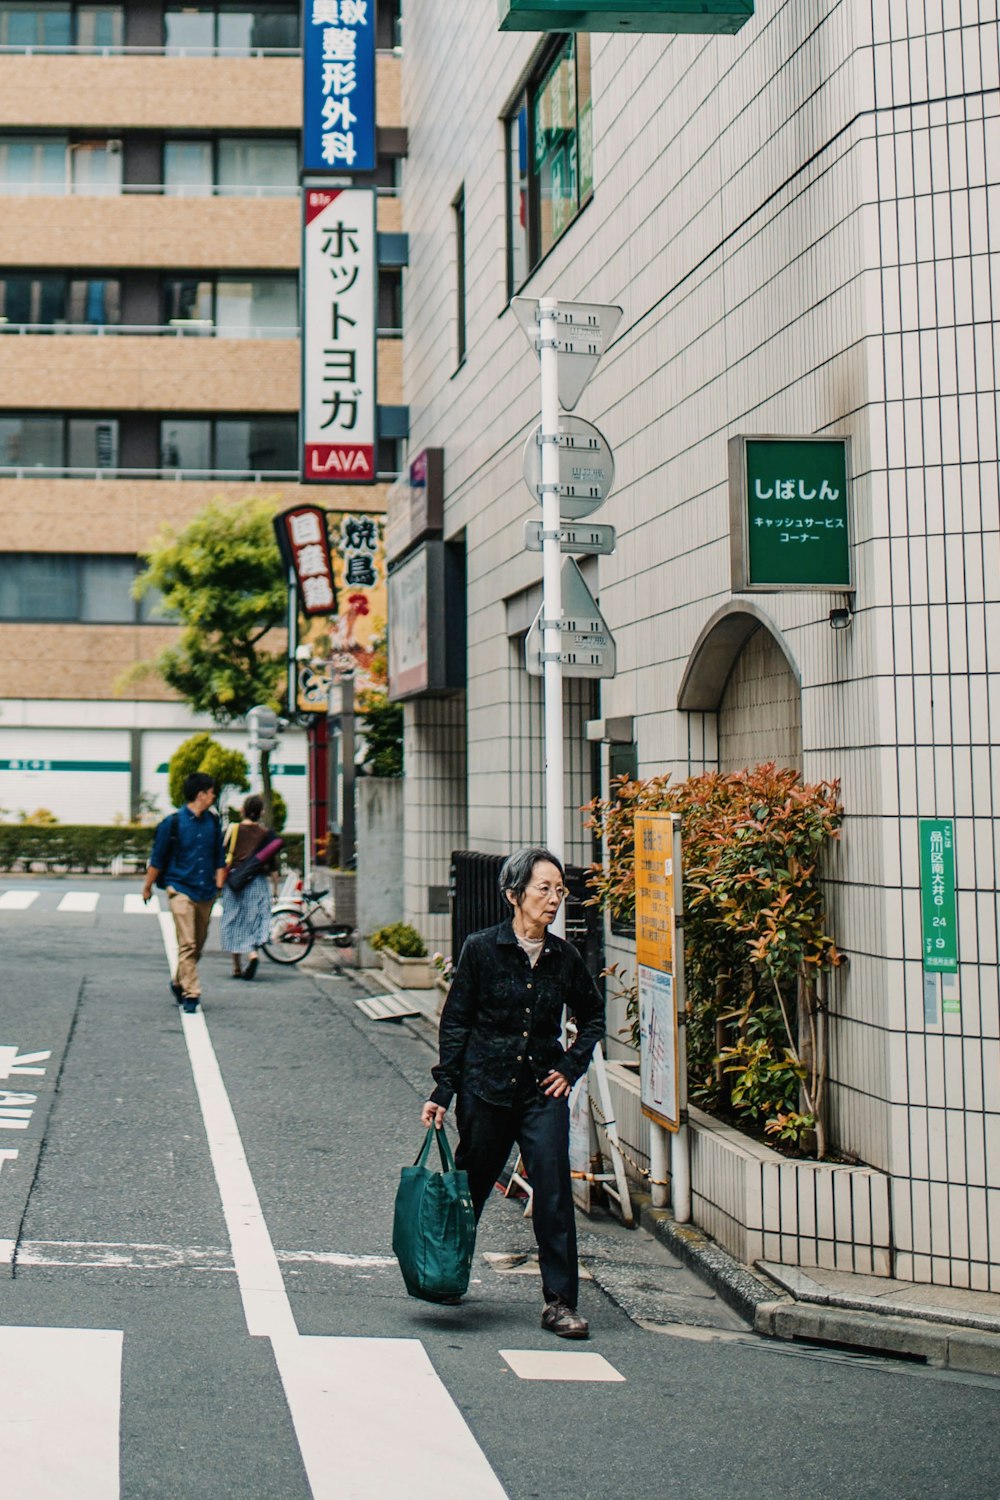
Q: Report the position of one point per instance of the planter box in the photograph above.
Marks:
(408, 973)
(760, 1205)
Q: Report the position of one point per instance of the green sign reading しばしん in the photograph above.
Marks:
(790, 512)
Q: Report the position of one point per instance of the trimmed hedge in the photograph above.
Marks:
(94, 848)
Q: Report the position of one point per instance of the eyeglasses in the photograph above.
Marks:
(559, 891)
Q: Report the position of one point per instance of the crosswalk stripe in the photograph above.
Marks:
(340, 1391)
(18, 900)
(79, 901)
(134, 906)
(60, 1396)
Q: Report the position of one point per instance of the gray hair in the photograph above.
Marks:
(519, 867)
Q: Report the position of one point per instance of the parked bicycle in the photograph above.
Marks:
(297, 922)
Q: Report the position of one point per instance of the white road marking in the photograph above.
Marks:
(79, 901)
(341, 1386)
(341, 1392)
(18, 900)
(60, 1396)
(118, 1255)
(134, 906)
(7, 1248)
(513, 1263)
(553, 1364)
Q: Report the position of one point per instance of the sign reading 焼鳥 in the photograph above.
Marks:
(339, 410)
(338, 75)
(790, 513)
(304, 543)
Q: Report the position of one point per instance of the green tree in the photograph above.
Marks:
(228, 768)
(222, 576)
(382, 723)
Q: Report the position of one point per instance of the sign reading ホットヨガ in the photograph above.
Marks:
(790, 513)
(338, 336)
(338, 73)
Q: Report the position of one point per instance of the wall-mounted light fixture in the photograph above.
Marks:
(843, 618)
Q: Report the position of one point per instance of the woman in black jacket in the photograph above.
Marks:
(501, 1054)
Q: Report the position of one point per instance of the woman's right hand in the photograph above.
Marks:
(432, 1114)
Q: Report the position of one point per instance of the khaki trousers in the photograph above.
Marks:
(192, 921)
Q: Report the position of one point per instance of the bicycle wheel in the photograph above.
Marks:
(291, 936)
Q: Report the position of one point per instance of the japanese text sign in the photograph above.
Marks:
(338, 69)
(790, 513)
(939, 919)
(657, 855)
(339, 410)
(305, 546)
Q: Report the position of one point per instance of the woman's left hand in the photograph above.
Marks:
(556, 1085)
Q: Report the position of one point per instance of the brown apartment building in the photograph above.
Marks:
(149, 353)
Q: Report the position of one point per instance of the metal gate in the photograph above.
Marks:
(476, 903)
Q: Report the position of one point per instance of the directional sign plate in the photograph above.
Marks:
(579, 537)
(588, 647)
(586, 467)
(584, 331)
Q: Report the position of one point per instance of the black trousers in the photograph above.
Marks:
(540, 1127)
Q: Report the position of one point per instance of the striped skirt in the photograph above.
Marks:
(246, 916)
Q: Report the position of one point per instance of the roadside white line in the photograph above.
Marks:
(342, 1391)
(79, 901)
(60, 1397)
(18, 900)
(338, 1389)
(7, 1251)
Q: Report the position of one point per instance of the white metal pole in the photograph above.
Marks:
(555, 836)
(680, 1149)
(658, 1183)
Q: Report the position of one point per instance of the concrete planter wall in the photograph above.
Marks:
(760, 1205)
(408, 973)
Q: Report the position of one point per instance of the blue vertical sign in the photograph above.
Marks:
(338, 65)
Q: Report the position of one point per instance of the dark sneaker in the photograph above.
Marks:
(190, 1004)
(178, 993)
(564, 1321)
(251, 967)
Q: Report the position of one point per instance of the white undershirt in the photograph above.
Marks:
(531, 946)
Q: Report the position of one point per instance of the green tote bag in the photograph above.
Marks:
(434, 1226)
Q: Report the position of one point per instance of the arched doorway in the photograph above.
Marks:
(741, 672)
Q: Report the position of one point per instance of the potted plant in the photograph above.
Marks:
(404, 956)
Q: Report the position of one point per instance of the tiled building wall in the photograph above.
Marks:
(800, 242)
(434, 810)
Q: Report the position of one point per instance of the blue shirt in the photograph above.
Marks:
(189, 860)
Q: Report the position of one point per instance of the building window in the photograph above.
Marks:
(235, 445)
(28, 441)
(232, 166)
(390, 300)
(57, 587)
(550, 155)
(61, 26)
(458, 208)
(53, 301)
(231, 30)
(234, 307)
(52, 164)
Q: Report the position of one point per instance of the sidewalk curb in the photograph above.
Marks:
(775, 1314)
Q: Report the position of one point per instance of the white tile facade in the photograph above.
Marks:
(799, 223)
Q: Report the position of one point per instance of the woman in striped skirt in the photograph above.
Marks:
(246, 914)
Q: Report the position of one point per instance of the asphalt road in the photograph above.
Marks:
(198, 1299)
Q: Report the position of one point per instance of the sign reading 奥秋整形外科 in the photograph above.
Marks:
(338, 73)
(338, 336)
(790, 513)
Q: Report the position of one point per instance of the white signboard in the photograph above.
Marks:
(586, 467)
(339, 408)
(658, 1044)
(409, 665)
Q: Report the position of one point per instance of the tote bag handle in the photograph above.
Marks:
(447, 1160)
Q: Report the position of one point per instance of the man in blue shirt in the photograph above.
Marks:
(189, 860)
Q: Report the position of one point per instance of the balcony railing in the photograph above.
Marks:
(64, 189)
(217, 476)
(57, 49)
(178, 328)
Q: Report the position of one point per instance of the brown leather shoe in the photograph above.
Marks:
(564, 1321)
